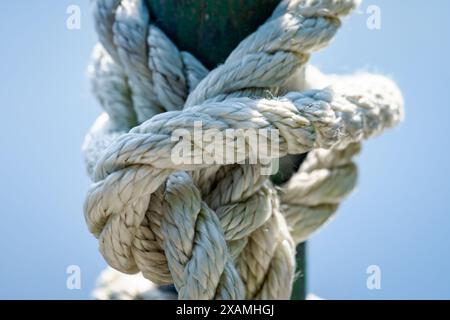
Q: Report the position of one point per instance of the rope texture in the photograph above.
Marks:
(221, 231)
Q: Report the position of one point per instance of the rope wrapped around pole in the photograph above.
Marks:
(222, 230)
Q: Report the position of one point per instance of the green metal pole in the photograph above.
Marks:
(299, 288)
(210, 30)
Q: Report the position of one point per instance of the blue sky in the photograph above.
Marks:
(398, 219)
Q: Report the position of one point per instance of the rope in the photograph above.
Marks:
(222, 230)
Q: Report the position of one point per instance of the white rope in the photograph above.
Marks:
(113, 285)
(222, 231)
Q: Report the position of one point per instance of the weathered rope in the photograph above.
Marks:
(222, 230)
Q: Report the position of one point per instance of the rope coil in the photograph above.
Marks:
(220, 231)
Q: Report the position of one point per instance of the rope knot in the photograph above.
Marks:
(220, 229)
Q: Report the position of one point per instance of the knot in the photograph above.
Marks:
(217, 228)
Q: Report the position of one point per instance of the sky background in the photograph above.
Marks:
(398, 218)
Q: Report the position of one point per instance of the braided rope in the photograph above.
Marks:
(221, 230)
